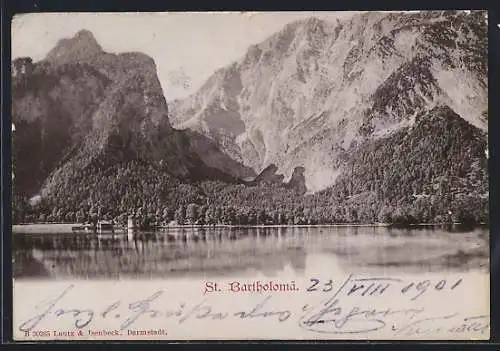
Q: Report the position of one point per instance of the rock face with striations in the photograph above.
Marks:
(305, 95)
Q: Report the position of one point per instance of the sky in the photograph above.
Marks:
(187, 47)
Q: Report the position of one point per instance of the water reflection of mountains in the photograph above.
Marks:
(155, 255)
(246, 251)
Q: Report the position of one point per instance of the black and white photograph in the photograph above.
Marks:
(279, 153)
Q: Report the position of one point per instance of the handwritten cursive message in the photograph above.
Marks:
(354, 307)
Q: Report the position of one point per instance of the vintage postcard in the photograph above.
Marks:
(250, 176)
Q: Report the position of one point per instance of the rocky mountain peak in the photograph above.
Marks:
(84, 35)
(298, 180)
(81, 46)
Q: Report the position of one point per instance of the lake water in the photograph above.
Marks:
(224, 252)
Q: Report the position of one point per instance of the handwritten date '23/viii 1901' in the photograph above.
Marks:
(333, 313)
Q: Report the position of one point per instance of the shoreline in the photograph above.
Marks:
(67, 228)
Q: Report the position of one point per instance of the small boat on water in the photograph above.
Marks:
(84, 228)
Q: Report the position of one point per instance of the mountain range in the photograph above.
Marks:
(307, 93)
(81, 107)
(347, 110)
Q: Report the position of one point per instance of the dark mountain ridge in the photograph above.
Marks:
(81, 108)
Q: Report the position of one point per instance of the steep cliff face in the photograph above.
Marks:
(82, 108)
(52, 109)
(301, 97)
